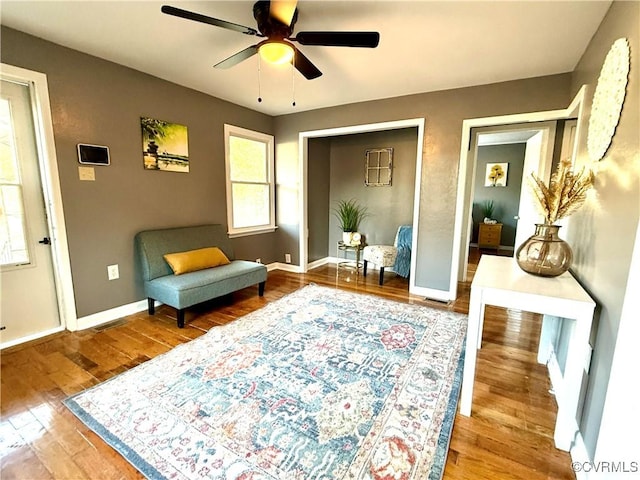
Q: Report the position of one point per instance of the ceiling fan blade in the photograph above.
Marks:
(339, 39)
(178, 12)
(283, 10)
(236, 58)
(304, 66)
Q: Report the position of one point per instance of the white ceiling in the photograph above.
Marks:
(424, 46)
(505, 137)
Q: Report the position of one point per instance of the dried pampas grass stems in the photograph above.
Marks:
(566, 193)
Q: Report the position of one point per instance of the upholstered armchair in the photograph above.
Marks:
(397, 255)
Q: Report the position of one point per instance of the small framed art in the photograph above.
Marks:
(496, 175)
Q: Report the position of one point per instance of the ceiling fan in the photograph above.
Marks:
(275, 20)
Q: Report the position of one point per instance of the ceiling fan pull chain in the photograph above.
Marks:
(259, 91)
(293, 81)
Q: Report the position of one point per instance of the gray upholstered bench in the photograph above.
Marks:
(188, 289)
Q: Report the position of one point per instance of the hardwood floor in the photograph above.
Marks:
(508, 436)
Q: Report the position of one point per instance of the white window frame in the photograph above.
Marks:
(233, 131)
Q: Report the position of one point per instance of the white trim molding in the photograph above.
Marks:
(320, 263)
(286, 267)
(28, 338)
(580, 458)
(462, 215)
(269, 141)
(43, 123)
(303, 141)
(112, 314)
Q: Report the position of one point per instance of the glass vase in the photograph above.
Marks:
(544, 253)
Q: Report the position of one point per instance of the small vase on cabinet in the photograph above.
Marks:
(544, 253)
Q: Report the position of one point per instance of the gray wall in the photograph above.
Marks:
(602, 233)
(319, 166)
(99, 102)
(506, 200)
(444, 112)
(388, 207)
(336, 172)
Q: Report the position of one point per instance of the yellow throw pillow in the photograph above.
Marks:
(193, 260)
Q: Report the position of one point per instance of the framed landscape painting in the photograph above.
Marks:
(165, 145)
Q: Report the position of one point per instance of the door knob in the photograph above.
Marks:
(45, 241)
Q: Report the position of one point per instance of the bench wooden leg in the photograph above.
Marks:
(180, 315)
(261, 288)
(152, 306)
(381, 275)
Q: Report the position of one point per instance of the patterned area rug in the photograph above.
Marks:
(321, 384)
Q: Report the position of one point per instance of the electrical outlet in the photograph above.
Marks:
(112, 272)
(258, 260)
(287, 257)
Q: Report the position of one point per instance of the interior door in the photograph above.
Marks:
(538, 158)
(28, 300)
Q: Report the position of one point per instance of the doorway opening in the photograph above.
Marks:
(518, 150)
(32, 213)
(304, 140)
(467, 168)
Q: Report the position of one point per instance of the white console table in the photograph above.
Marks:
(499, 281)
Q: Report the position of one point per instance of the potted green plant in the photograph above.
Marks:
(349, 214)
(487, 211)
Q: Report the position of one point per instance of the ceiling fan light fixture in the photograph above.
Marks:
(276, 51)
(275, 20)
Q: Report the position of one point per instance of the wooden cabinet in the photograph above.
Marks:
(489, 235)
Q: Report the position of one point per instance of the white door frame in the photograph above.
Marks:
(538, 152)
(538, 157)
(303, 143)
(463, 212)
(47, 160)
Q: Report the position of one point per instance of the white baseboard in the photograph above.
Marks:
(370, 266)
(286, 267)
(319, 263)
(28, 338)
(555, 375)
(580, 456)
(578, 452)
(431, 293)
(336, 260)
(315, 264)
(112, 314)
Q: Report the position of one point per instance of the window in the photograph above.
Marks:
(250, 184)
(13, 232)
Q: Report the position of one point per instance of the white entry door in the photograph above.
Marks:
(28, 300)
